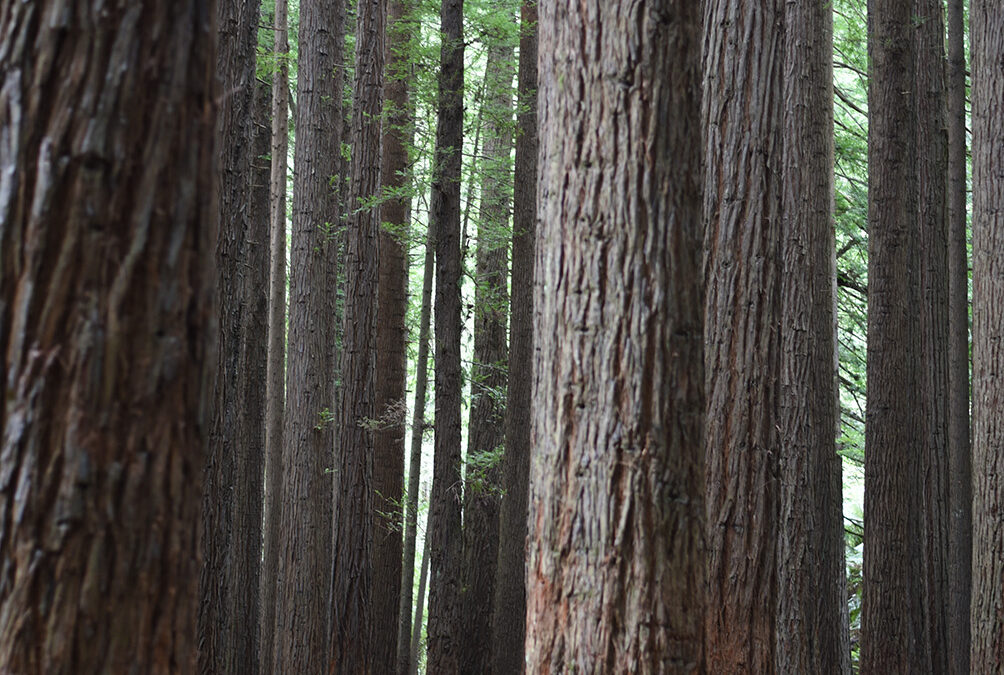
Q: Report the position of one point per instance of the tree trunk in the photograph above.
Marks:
(489, 370)
(616, 566)
(416, 637)
(359, 513)
(960, 458)
(392, 347)
(444, 520)
(509, 620)
(987, 31)
(301, 628)
(742, 210)
(276, 367)
(812, 632)
(932, 228)
(893, 638)
(107, 231)
(226, 638)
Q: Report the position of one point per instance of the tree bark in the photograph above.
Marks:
(744, 45)
(893, 638)
(987, 34)
(392, 346)
(107, 228)
(960, 457)
(444, 520)
(932, 228)
(360, 525)
(509, 619)
(489, 372)
(812, 631)
(416, 636)
(305, 559)
(275, 377)
(228, 611)
(616, 565)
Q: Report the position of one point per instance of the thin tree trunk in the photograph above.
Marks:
(509, 619)
(987, 31)
(489, 370)
(235, 439)
(444, 520)
(893, 638)
(392, 346)
(276, 368)
(812, 631)
(742, 211)
(358, 519)
(616, 568)
(416, 638)
(107, 232)
(960, 458)
(932, 228)
(305, 558)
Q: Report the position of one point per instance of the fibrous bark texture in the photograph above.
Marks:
(353, 649)
(107, 229)
(509, 619)
(742, 209)
(616, 565)
(228, 610)
(812, 631)
(892, 620)
(444, 519)
(302, 608)
(960, 457)
(489, 370)
(987, 31)
(275, 377)
(392, 348)
(932, 229)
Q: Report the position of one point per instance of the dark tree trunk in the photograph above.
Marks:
(932, 228)
(107, 231)
(960, 458)
(276, 367)
(359, 518)
(744, 45)
(509, 620)
(392, 348)
(893, 638)
(812, 632)
(228, 610)
(301, 629)
(987, 31)
(416, 635)
(489, 370)
(444, 520)
(616, 568)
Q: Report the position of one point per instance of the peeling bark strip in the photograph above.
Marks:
(742, 209)
(987, 26)
(107, 229)
(616, 567)
(302, 611)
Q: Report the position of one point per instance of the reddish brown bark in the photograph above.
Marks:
(107, 231)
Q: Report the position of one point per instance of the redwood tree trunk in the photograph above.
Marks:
(742, 211)
(615, 571)
(228, 611)
(489, 370)
(301, 630)
(275, 378)
(358, 518)
(987, 31)
(107, 232)
(893, 638)
(812, 631)
(509, 619)
(960, 457)
(444, 519)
